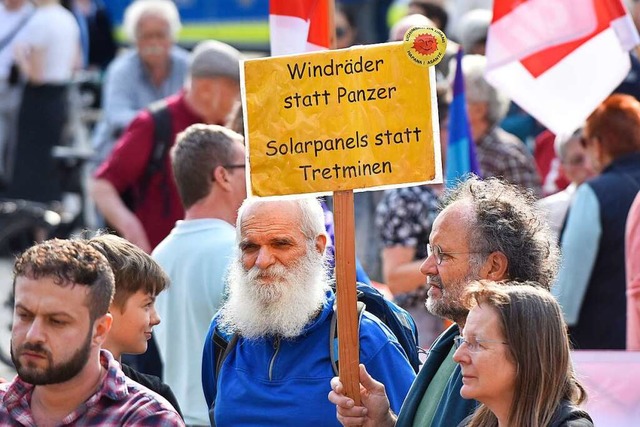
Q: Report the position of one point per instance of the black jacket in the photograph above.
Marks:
(568, 415)
(153, 383)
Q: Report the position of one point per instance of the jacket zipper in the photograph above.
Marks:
(276, 349)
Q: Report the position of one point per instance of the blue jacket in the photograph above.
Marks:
(278, 382)
(452, 408)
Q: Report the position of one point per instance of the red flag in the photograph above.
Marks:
(298, 26)
(558, 59)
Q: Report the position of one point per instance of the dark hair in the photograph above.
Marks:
(507, 220)
(616, 122)
(70, 263)
(433, 11)
(534, 328)
(198, 151)
(133, 269)
(348, 15)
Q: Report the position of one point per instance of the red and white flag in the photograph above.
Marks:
(298, 26)
(559, 59)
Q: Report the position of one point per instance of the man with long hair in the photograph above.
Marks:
(487, 230)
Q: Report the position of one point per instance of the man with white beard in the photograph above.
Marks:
(280, 307)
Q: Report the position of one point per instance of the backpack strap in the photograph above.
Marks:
(14, 32)
(333, 335)
(162, 142)
(224, 344)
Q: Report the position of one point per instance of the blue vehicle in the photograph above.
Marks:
(241, 23)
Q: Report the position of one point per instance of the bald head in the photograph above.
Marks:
(303, 213)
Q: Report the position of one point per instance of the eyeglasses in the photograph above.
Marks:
(438, 253)
(234, 166)
(473, 346)
(230, 166)
(585, 142)
(575, 160)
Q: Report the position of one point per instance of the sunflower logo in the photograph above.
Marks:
(425, 45)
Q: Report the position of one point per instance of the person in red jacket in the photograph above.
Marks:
(210, 93)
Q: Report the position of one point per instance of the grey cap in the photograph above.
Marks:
(212, 58)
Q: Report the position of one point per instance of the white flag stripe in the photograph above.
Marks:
(536, 25)
(312, 47)
(564, 96)
(288, 34)
(626, 31)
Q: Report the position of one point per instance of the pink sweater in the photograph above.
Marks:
(632, 253)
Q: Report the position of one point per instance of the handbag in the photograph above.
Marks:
(14, 75)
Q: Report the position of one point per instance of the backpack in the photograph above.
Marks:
(397, 319)
(162, 141)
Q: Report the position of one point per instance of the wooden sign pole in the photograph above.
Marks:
(348, 342)
(345, 272)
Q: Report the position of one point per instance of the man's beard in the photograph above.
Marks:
(53, 373)
(449, 305)
(282, 307)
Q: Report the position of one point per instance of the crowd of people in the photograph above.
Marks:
(206, 307)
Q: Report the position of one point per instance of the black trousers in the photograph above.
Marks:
(41, 121)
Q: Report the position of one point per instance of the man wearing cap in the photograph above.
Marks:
(154, 68)
(211, 90)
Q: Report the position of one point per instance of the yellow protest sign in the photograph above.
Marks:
(350, 119)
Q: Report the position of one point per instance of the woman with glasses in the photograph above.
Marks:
(514, 357)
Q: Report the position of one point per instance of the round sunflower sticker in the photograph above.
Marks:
(425, 45)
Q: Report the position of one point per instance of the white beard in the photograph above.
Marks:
(255, 309)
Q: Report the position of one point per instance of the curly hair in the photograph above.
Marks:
(70, 263)
(506, 220)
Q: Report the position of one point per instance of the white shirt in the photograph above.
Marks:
(579, 246)
(9, 21)
(556, 207)
(54, 29)
(195, 255)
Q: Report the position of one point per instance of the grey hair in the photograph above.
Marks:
(474, 27)
(165, 9)
(507, 220)
(311, 214)
(479, 90)
(562, 141)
